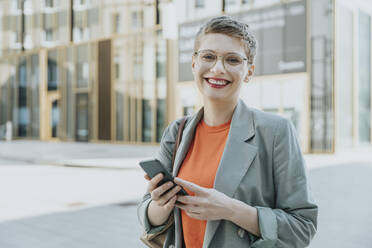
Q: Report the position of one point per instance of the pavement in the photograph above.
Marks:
(101, 155)
(62, 194)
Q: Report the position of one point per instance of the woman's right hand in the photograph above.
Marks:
(160, 201)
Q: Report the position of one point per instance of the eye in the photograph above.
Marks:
(233, 60)
(208, 56)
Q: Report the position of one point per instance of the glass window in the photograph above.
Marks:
(231, 2)
(93, 17)
(133, 118)
(3, 95)
(23, 111)
(35, 111)
(146, 120)
(117, 71)
(161, 89)
(119, 116)
(82, 74)
(16, 4)
(344, 91)
(54, 118)
(138, 65)
(80, 30)
(137, 20)
(70, 99)
(199, 3)
(49, 34)
(322, 122)
(364, 78)
(18, 36)
(82, 66)
(14, 106)
(81, 2)
(49, 3)
(82, 117)
(8, 89)
(160, 118)
(116, 23)
(62, 18)
(160, 62)
(52, 71)
(122, 66)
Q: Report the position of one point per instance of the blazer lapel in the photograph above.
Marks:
(236, 159)
(187, 137)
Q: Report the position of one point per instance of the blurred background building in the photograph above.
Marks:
(119, 71)
(83, 70)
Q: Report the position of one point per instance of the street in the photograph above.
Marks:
(54, 205)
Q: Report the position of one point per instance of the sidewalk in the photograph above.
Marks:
(38, 178)
(109, 156)
(84, 195)
(117, 156)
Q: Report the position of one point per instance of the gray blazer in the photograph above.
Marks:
(261, 165)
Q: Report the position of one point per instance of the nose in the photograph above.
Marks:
(218, 67)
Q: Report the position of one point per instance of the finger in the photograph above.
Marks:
(195, 215)
(189, 185)
(170, 204)
(156, 193)
(155, 181)
(166, 197)
(190, 200)
(182, 206)
(147, 177)
(186, 207)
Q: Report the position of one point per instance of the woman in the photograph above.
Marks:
(243, 168)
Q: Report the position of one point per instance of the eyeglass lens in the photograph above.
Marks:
(232, 62)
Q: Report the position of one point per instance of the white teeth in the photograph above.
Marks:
(218, 82)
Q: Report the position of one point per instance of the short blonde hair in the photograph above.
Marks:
(233, 28)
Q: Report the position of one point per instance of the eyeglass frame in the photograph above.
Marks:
(220, 56)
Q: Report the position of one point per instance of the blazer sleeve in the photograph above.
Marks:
(293, 221)
(164, 155)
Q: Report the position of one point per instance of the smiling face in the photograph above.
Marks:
(216, 83)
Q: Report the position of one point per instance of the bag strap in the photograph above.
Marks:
(179, 138)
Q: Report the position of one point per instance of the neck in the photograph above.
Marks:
(218, 112)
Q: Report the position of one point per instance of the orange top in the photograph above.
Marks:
(200, 167)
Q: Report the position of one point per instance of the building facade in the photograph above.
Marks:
(313, 65)
(83, 70)
(119, 70)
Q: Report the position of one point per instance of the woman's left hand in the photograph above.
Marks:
(206, 204)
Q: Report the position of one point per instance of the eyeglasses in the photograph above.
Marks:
(232, 61)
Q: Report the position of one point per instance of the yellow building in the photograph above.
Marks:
(83, 70)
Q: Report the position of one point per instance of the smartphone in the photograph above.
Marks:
(153, 167)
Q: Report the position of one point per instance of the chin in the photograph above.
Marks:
(213, 97)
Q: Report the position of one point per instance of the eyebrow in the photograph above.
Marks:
(209, 50)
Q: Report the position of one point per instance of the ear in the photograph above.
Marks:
(193, 64)
(249, 75)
